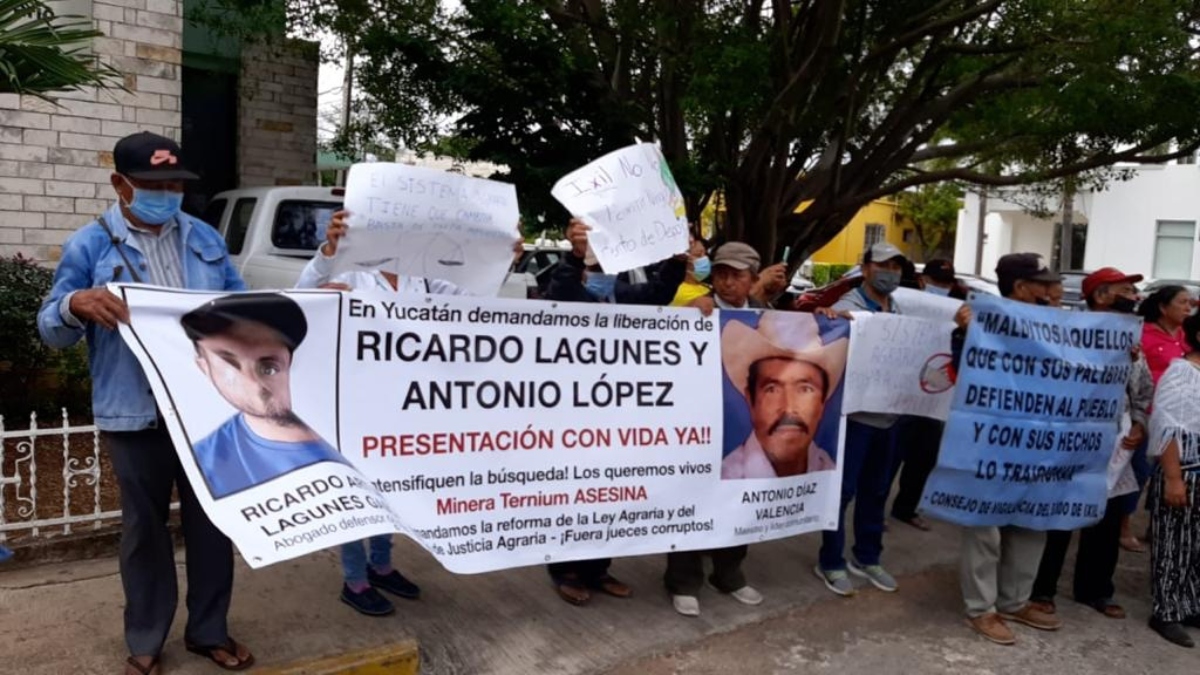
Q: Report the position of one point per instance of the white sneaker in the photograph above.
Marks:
(747, 596)
(687, 605)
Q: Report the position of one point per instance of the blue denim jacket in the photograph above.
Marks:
(121, 396)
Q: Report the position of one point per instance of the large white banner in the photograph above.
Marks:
(495, 433)
(429, 224)
(633, 205)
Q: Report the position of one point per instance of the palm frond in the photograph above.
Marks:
(41, 53)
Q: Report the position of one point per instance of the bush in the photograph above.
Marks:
(33, 377)
(820, 274)
(838, 271)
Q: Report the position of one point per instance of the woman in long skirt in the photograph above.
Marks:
(1175, 518)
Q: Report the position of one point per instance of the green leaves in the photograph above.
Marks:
(40, 55)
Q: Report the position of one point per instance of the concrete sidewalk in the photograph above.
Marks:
(67, 618)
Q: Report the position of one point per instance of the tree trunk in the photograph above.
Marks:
(1066, 244)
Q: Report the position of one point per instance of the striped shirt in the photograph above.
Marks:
(163, 253)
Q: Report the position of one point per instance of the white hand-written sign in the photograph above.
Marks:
(430, 224)
(633, 205)
(899, 364)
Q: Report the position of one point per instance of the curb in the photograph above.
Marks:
(402, 658)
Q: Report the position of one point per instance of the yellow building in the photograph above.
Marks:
(877, 221)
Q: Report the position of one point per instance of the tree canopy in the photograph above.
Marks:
(779, 102)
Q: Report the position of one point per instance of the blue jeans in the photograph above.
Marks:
(866, 477)
(354, 557)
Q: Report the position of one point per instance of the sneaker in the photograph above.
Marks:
(747, 595)
(395, 583)
(1032, 617)
(878, 576)
(1172, 632)
(369, 602)
(993, 628)
(836, 580)
(687, 605)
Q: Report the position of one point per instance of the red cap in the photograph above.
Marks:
(1105, 276)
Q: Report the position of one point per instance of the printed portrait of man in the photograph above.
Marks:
(786, 375)
(244, 344)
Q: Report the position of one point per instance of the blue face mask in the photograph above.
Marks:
(154, 207)
(601, 286)
(701, 268)
(937, 290)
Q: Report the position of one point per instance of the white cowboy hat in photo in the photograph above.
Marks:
(784, 335)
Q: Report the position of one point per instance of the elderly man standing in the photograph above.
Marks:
(1105, 290)
(145, 238)
(869, 448)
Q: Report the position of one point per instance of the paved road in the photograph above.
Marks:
(66, 619)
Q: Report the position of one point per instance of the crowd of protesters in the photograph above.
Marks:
(1008, 574)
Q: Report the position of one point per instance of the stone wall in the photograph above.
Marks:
(55, 160)
(277, 114)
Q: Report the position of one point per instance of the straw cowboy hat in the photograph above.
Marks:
(785, 335)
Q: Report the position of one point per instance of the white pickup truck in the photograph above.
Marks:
(272, 233)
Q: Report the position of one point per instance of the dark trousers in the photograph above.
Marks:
(685, 570)
(147, 468)
(917, 443)
(866, 479)
(590, 572)
(1095, 561)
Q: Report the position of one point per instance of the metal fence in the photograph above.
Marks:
(66, 461)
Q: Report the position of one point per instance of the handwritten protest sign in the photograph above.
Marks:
(1034, 419)
(633, 205)
(900, 365)
(429, 224)
(495, 433)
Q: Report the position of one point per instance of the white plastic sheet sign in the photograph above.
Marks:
(633, 205)
(430, 224)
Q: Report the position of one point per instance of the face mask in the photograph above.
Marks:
(885, 282)
(601, 286)
(1124, 305)
(701, 268)
(154, 207)
(937, 290)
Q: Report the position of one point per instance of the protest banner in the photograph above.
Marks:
(899, 365)
(430, 224)
(633, 205)
(495, 433)
(1034, 420)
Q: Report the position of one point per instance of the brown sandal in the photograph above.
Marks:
(572, 590)
(612, 586)
(230, 647)
(139, 668)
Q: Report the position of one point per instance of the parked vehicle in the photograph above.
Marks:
(272, 233)
(1073, 289)
(1193, 287)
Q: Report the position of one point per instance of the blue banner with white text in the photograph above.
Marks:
(1034, 419)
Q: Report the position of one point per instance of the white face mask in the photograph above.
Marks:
(937, 290)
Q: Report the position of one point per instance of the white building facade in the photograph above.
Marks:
(1149, 224)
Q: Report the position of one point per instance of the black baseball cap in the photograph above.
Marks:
(147, 156)
(940, 270)
(273, 310)
(1025, 267)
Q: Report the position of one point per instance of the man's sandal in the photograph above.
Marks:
(572, 590)
(230, 647)
(135, 667)
(612, 586)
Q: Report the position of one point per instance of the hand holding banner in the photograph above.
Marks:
(633, 205)
(429, 224)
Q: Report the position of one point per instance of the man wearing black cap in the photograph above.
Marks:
(999, 564)
(244, 344)
(145, 238)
